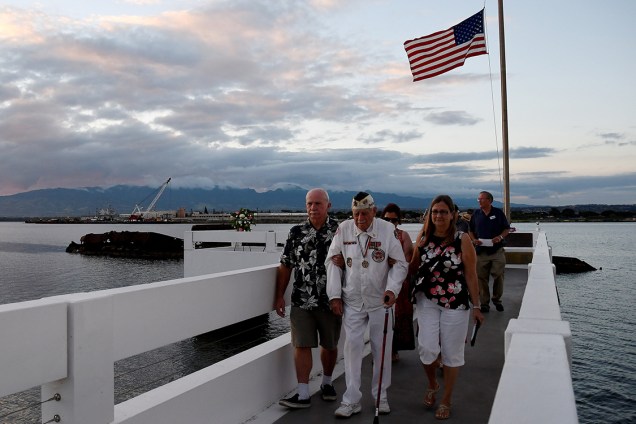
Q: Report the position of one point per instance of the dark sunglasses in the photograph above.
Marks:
(392, 220)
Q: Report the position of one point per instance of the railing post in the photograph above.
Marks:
(188, 240)
(87, 393)
(270, 241)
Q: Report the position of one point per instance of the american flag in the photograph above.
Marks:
(442, 51)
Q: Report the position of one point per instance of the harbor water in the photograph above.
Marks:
(598, 305)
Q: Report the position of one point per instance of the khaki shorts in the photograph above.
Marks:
(307, 325)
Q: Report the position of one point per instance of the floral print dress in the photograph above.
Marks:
(441, 273)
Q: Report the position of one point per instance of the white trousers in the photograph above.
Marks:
(440, 329)
(355, 324)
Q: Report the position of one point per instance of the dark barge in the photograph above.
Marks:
(129, 244)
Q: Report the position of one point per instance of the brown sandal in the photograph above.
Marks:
(443, 412)
(429, 397)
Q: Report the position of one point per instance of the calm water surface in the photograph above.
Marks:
(598, 305)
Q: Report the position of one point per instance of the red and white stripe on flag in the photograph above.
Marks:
(442, 51)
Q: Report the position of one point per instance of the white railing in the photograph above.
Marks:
(536, 384)
(69, 344)
(90, 331)
(33, 351)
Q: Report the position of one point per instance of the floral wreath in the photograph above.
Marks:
(242, 220)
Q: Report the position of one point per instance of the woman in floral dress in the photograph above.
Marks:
(446, 280)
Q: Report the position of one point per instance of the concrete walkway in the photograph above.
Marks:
(474, 391)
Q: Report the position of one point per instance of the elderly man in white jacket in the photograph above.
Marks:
(361, 291)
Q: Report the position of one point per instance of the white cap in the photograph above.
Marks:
(362, 200)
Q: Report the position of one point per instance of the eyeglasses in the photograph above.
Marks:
(442, 212)
(392, 220)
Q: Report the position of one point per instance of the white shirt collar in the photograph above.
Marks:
(370, 231)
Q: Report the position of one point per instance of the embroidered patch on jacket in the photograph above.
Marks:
(378, 255)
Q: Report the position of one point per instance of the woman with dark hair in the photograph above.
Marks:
(446, 279)
(403, 335)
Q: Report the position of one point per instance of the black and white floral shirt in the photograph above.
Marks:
(305, 252)
(441, 273)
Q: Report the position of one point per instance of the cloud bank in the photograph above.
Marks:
(238, 94)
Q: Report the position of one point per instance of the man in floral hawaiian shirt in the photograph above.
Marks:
(310, 316)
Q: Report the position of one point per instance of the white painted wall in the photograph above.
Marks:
(536, 384)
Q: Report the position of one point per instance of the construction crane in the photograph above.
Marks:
(138, 214)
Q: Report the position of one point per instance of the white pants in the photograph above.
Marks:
(355, 324)
(440, 329)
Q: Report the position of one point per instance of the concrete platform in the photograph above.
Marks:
(474, 392)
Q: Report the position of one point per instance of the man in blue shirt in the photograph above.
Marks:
(488, 230)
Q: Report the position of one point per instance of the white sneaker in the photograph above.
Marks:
(348, 409)
(384, 407)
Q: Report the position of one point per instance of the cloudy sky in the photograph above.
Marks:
(265, 94)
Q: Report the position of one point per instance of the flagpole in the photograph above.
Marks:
(504, 110)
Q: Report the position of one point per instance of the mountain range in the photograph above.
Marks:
(87, 201)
